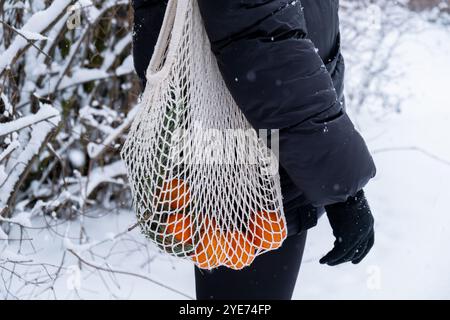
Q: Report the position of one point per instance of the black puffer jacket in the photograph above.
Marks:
(281, 61)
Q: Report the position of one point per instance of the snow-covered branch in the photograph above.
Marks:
(46, 112)
(38, 23)
(40, 133)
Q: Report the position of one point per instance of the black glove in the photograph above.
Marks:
(352, 224)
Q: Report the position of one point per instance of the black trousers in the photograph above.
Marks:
(272, 276)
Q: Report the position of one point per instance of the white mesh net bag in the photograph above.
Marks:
(204, 185)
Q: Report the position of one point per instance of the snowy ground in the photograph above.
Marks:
(411, 257)
(409, 196)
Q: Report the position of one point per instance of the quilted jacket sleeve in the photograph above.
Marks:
(279, 81)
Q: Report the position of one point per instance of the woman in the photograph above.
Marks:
(286, 55)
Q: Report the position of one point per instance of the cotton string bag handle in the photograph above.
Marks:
(205, 187)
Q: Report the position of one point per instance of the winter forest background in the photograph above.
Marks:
(68, 93)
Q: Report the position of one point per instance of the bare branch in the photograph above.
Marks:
(129, 274)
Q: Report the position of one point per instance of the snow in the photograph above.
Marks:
(30, 35)
(106, 173)
(118, 49)
(7, 104)
(128, 254)
(45, 112)
(22, 219)
(77, 158)
(95, 150)
(11, 147)
(17, 5)
(69, 245)
(36, 24)
(9, 255)
(409, 196)
(111, 173)
(83, 75)
(39, 132)
(126, 67)
(3, 235)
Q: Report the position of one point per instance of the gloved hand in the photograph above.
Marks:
(353, 226)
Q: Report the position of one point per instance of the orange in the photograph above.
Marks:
(210, 253)
(240, 251)
(176, 192)
(180, 227)
(267, 229)
(207, 224)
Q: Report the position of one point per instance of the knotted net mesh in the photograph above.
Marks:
(205, 187)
